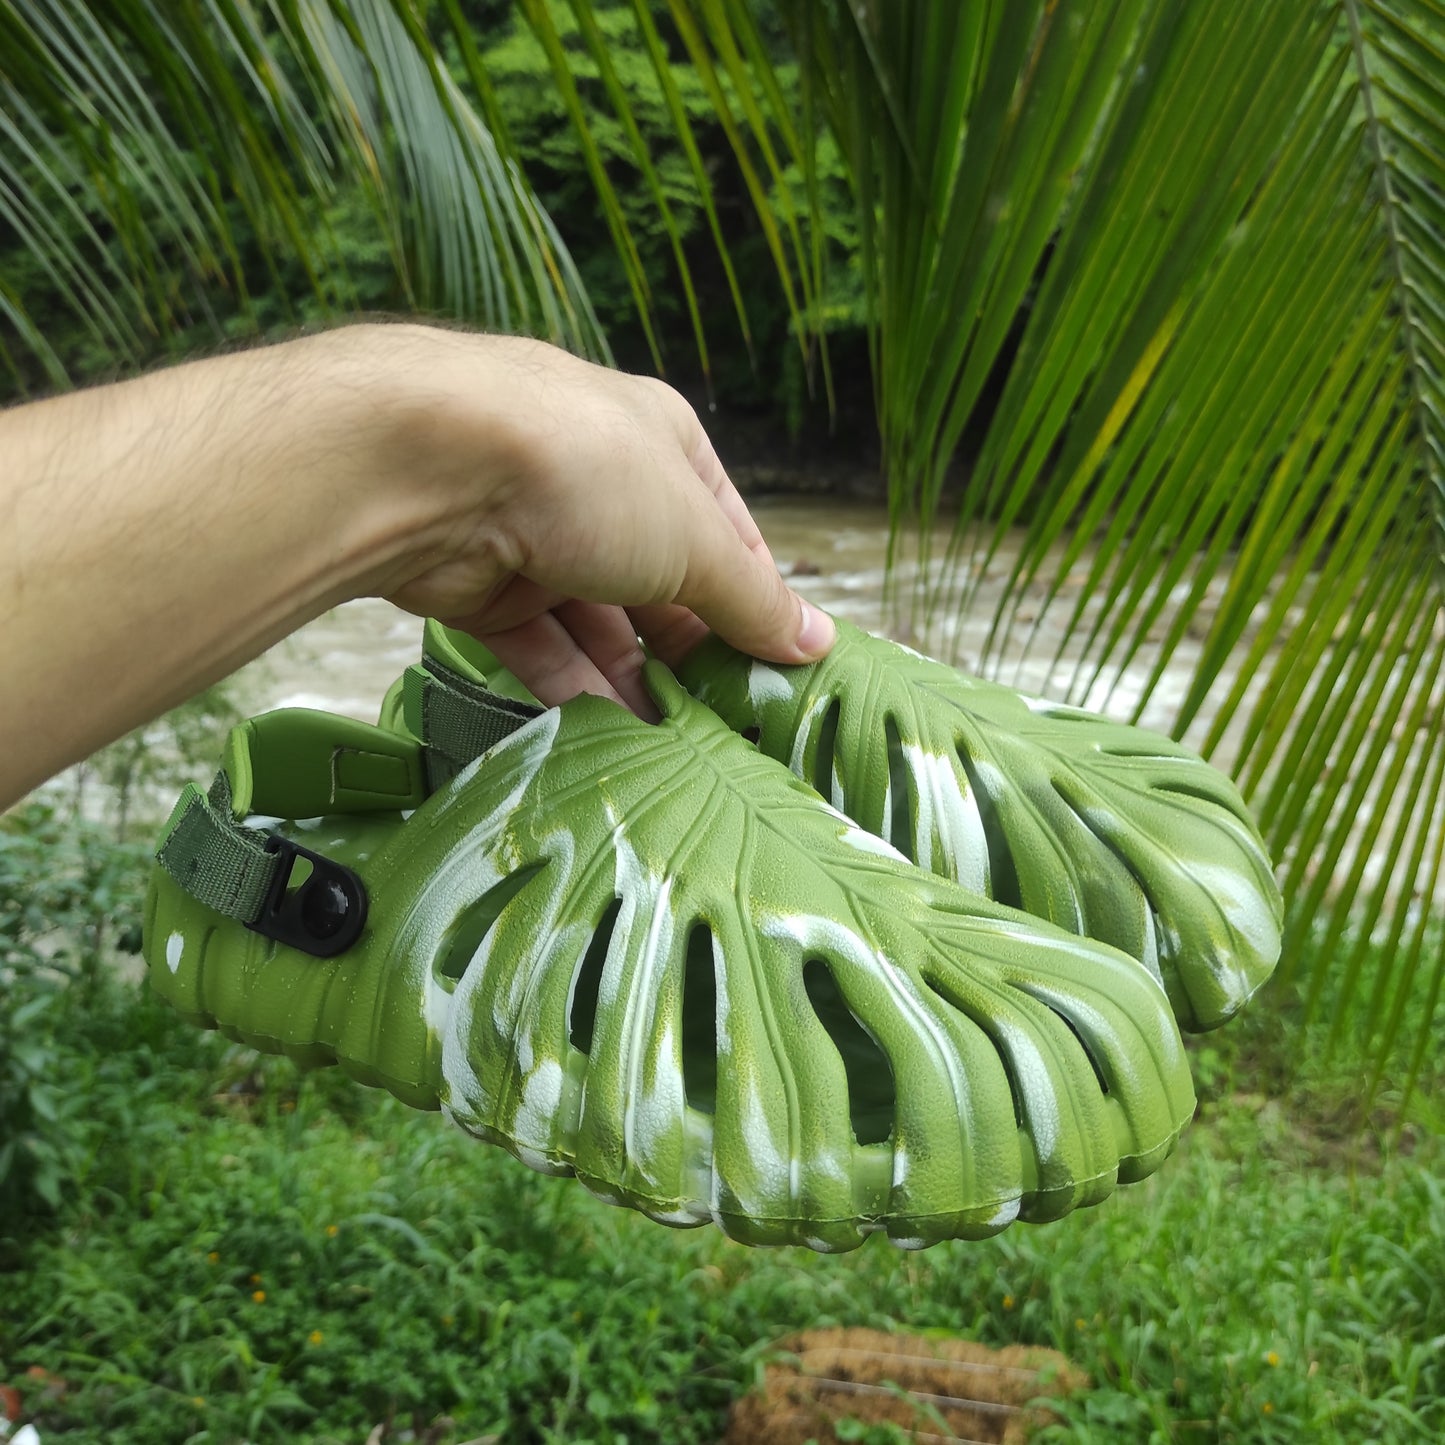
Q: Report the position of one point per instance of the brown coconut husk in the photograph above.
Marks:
(939, 1390)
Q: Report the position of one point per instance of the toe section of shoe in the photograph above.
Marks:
(1106, 830)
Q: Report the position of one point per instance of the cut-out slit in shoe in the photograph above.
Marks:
(699, 1021)
(587, 981)
(1069, 1024)
(1198, 794)
(476, 922)
(871, 1094)
(899, 822)
(981, 1023)
(823, 753)
(1003, 873)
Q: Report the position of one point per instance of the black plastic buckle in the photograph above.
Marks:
(322, 917)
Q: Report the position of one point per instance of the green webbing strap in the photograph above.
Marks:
(292, 763)
(295, 763)
(457, 719)
(218, 862)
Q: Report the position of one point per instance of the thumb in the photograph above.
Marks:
(738, 591)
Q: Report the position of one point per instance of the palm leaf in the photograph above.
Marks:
(1181, 268)
(1224, 411)
(721, 40)
(133, 133)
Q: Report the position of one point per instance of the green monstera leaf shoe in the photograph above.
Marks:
(651, 957)
(1106, 830)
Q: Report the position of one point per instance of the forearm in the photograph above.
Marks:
(156, 534)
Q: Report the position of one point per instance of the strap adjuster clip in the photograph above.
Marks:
(323, 915)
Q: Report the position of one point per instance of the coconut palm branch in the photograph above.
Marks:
(1157, 298)
(139, 140)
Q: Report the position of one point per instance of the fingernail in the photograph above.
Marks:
(818, 633)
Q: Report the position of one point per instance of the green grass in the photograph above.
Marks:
(247, 1253)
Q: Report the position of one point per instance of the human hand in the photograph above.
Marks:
(580, 508)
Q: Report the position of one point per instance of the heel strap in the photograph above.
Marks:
(300, 763)
(456, 719)
(292, 763)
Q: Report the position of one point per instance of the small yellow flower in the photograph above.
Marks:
(288, 1106)
(213, 1258)
(1268, 1408)
(198, 1401)
(446, 1322)
(255, 1279)
(1271, 1358)
(331, 1231)
(1080, 1324)
(1008, 1301)
(315, 1337)
(259, 1295)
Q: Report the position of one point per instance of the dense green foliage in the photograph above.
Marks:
(67, 896)
(747, 364)
(226, 1249)
(755, 369)
(73, 865)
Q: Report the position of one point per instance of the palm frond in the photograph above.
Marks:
(1158, 304)
(138, 137)
(1217, 452)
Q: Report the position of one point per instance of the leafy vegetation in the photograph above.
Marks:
(73, 865)
(696, 297)
(65, 895)
(668, 298)
(161, 165)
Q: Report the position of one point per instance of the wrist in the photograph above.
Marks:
(443, 450)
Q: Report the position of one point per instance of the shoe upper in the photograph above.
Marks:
(650, 956)
(1104, 829)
